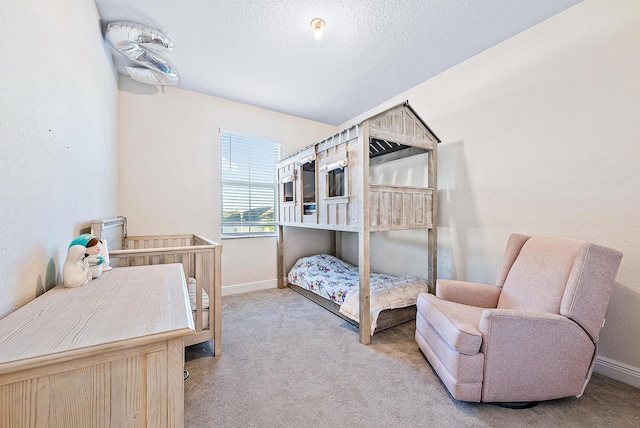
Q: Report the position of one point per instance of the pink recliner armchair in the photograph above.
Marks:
(531, 337)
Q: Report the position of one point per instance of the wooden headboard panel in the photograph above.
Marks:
(114, 230)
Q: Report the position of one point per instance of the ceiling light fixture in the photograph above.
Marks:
(318, 25)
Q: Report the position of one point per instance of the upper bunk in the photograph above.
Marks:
(322, 186)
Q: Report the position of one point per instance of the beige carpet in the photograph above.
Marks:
(286, 362)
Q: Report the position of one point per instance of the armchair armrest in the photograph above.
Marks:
(533, 356)
(468, 293)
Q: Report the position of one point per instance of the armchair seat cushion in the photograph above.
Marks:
(457, 324)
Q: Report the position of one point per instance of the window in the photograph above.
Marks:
(309, 181)
(248, 184)
(335, 183)
(288, 191)
(337, 178)
(309, 187)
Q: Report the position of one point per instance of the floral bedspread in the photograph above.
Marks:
(337, 280)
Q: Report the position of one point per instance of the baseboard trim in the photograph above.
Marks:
(618, 371)
(228, 290)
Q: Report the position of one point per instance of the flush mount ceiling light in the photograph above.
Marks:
(318, 25)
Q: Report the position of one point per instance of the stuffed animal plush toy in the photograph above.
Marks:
(84, 261)
(94, 256)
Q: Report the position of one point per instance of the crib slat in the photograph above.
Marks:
(186, 262)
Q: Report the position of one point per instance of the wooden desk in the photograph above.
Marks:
(107, 354)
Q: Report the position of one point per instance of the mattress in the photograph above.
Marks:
(338, 281)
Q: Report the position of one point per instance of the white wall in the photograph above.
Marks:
(58, 130)
(170, 169)
(540, 135)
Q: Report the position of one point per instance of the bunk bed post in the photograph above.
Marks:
(432, 274)
(364, 230)
(282, 283)
(334, 243)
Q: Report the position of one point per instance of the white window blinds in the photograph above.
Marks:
(248, 184)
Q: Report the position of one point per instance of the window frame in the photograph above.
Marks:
(346, 180)
(235, 138)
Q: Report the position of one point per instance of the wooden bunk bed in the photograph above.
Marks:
(201, 261)
(326, 186)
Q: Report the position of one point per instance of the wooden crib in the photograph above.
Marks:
(200, 258)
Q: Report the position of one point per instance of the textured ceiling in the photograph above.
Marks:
(263, 53)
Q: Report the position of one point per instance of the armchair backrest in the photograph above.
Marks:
(562, 276)
(539, 274)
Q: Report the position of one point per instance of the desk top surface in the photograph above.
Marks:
(123, 307)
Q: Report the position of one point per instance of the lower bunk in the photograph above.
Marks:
(334, 284)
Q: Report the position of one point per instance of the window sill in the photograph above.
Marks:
(222, 238)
